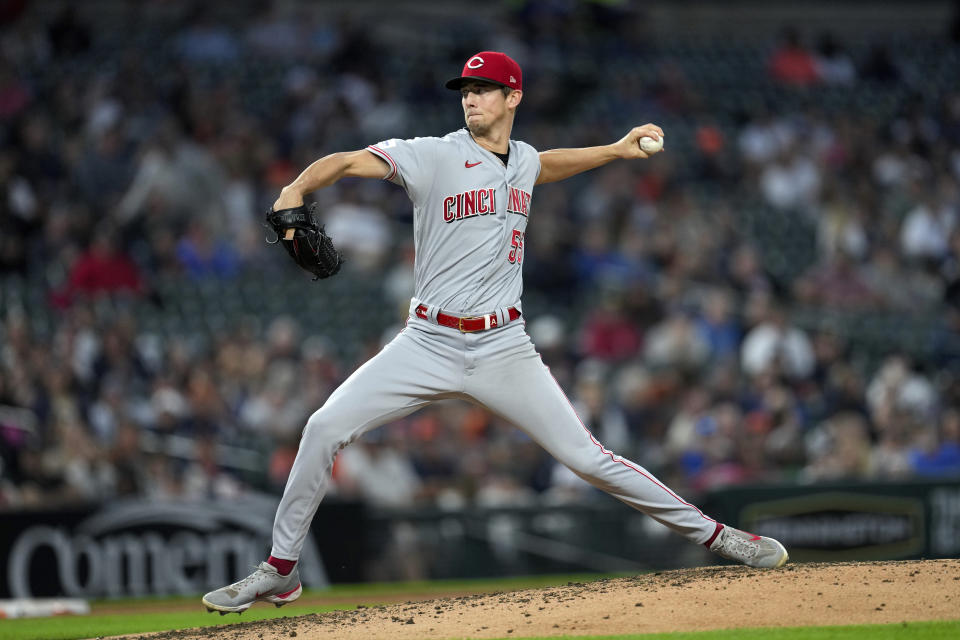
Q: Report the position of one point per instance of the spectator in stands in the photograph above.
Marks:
(776, 425)
(841, 227)
(838, 449)
(937, 452)
(927, 226)
(791, 63)
(88, 475)
(764, 137)
(682, 442)
(109, 410)
(104, 268)
(377, 472)
(745, 273)
(208, 410)
(833, 64)
(204, 478)
(775, 343)
(608, 332)
(838, 283)
(164, 478)
(598, 260)
(638, 397)
(718, 326)
(896, 387)
(791, 182)
(103, 168)
(277, 407)
(203, 255)
(676, 343)
(361, 229)
(128, 462)
(118, 361)
(169, 409)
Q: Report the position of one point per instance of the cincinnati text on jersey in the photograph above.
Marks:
(519, 201)
(475, 202)
(480, 202)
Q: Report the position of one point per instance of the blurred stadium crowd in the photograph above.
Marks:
(774, 299)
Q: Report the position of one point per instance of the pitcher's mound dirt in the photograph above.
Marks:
(685, 600)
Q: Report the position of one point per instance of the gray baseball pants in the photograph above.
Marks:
(498, 369)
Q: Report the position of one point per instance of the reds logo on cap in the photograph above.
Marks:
(491, 66)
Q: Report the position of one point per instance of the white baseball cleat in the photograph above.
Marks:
(264, 585)
(752, 550)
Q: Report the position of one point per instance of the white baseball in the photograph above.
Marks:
(649, 145)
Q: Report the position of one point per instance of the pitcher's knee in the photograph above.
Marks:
(322, 432)
(587, 464)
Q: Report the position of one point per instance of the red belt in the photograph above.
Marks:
(468, 325)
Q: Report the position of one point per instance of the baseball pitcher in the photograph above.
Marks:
(465, 337)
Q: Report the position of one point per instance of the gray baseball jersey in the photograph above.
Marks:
(469, 218)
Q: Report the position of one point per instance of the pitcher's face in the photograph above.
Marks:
(485, 105)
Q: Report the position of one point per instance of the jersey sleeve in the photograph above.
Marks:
(535, 155)
(411, 163)
(531, 159)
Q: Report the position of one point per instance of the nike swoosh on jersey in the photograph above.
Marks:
(471, 166)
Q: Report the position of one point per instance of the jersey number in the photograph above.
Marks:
(516, 248)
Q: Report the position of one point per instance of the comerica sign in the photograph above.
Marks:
(130, 564)
(133, 549)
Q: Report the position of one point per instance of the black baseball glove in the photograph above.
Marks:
(301, 234)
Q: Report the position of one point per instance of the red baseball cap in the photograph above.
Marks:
(490, 66)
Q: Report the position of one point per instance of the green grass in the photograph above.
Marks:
(92, 626)
(910, 630)
(72, 627)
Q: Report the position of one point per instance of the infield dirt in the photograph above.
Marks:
(683, 600)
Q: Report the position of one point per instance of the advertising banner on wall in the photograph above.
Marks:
(139, 548)
(158, 548)
(850, 521)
